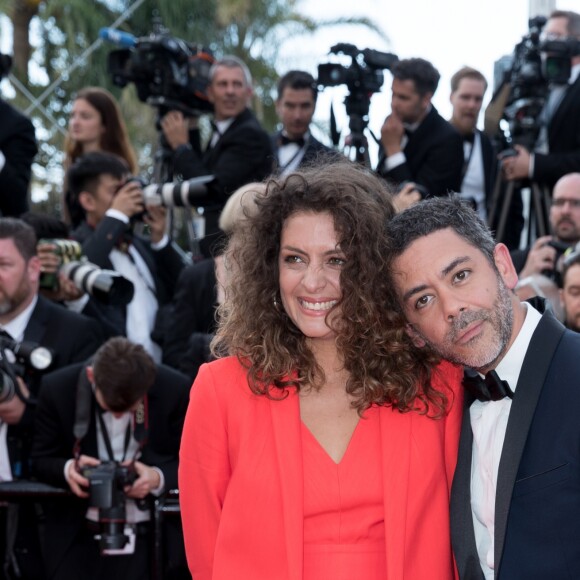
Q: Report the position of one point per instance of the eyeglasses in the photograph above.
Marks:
(562, 201)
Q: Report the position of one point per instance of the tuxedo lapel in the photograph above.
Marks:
(396, 439)
(37, 325)
(287, 437)
(561, 114)
(534, 370)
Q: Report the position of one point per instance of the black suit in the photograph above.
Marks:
(313, 150)
(193, 313)
(54, 440)
(537, 504)
(164, 265)
(18, 144)
(434, 157)
(243, 154)
(563, 140)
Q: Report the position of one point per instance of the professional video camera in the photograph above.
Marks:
(362, 77)
(106, 492)
(168, 72)
(5, 65)
(15, 359)
(106, 286)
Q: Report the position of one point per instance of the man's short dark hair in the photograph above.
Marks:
(21, 234)
(436, 214)
(571, 260)
(297, 80)
(573, 25)
(467, 72)
(85, 172)
(123, 373)
(423, 74)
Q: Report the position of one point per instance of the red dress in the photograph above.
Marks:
(344, 529)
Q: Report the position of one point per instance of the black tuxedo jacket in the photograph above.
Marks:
(434, 157)
(164, 265)
(54, 440)
(72, 338)
(243, 154)
(18, 144)
(537, 505)
(314, 149)
(563, 140)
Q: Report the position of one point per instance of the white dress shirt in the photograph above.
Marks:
(488, 422)
(473, 185)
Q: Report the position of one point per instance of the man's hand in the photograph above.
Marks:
(407, 197)
(148, 480)
(540, 257)
(129, 199)
(11, 411)
(156, 219)
(77, 482)
(518, 166)
(392, 133)
(175, 128)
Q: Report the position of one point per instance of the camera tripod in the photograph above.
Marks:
(357, 106)
(539, 208)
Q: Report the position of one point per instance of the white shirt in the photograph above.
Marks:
(473, 185)
(290, 156)
(488, 422)
(15, 328)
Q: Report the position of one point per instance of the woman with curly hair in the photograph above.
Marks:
(323, 446)
(95, 124)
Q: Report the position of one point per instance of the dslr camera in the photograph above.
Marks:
(106, 493)
(106, 286)
(17, 358)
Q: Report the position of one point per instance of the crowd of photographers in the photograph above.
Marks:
(104, 320)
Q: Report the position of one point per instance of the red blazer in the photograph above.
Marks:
(241, 482)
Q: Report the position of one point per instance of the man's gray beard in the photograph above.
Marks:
(501, 318)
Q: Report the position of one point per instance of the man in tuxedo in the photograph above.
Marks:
(119, 407)
(557, 150)
(294, 145)
(418, 145)
(28, 318)
(570, 292)
(17, 151)
(111, 202)
(515, 502)
(239, 150)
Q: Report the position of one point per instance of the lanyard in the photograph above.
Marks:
(107, 440)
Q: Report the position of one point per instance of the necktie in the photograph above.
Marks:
(285, 140)
(490, 388)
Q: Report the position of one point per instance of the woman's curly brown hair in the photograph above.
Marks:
(384, 366)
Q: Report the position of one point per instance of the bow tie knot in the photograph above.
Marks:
(285, 140)
(489, 388)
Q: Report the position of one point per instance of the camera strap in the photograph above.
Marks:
(84, 403)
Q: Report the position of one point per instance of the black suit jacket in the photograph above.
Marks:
(72, 338)
(313, 151)
(54, 440)
(164, 265)
(434, 157)
(537, 505)
(243, 154)
(563, 140)
(18, 144)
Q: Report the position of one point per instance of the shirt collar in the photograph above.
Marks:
(16, 327)
(510, 366)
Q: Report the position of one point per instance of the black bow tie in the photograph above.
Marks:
(469, 138)
(285, 140)
(490, 388)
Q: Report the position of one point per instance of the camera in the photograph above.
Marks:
(106, 493)
(365, 73)
(106, 286)
(168, 72)
(178, 193)
(15, 359)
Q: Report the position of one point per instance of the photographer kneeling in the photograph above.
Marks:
(110, 431)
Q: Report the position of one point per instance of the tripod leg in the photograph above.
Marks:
(495, 199)
(507, 200)
(538, 208)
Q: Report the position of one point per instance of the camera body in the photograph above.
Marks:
(167, 72)
(106, 493)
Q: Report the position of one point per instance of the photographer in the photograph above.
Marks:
(239, 150)
(418, 145)
(543, 256)
(17, 151)
(110, 202)
(557, 150)
(120, 408)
